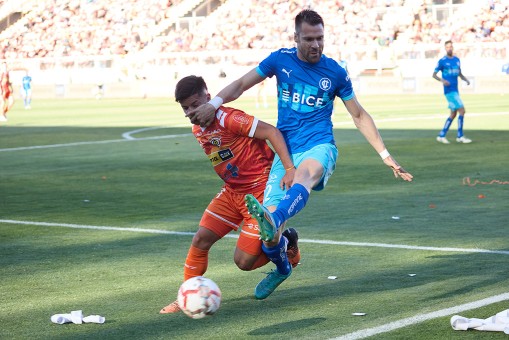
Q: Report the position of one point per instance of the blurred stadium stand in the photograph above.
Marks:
(141, 48)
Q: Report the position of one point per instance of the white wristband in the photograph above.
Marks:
(216, 102)
(384, 154)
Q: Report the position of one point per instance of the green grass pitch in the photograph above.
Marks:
(99, 199)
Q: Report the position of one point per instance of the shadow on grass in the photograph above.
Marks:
(286, 327)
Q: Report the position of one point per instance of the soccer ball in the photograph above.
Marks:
(199, 297)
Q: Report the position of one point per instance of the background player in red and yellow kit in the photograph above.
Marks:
(6, 88)
(236, 146)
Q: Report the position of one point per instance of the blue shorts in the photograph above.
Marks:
(326, 154)
(454, 100)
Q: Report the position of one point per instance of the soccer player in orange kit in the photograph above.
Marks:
(236, 146)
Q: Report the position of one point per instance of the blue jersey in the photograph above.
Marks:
(305, 94)
(451, 69)
(27, 80)
(342, 63)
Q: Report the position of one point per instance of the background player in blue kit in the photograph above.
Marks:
(26, 90)
(450, 67)
(307, 83)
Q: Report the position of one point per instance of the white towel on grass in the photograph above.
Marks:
(495, 323)
(94, 319)
(61, 318)
(76, 317)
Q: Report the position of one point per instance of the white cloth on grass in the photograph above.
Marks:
(496, 323)
(94, 319)
(76, 317)
(61, 318)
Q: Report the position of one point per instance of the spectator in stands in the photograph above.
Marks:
(75, 28)
(450, 69)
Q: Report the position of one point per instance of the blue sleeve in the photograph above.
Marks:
(267, 65)
(345, 85)
(260, 73)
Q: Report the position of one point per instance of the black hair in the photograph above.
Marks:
(308, 16)
(188, 86)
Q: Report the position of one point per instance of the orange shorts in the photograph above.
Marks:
(226, 212)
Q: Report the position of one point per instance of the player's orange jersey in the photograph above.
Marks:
(242, 162)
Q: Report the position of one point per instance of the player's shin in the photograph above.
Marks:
(196, 262)
(460, 126)
(293, 202)
(446, 127)
(278, 256)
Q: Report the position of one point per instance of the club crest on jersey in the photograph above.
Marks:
(325, 84)
(216, 141)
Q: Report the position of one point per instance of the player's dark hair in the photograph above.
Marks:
(188, 86)
(309, 17)
(448, 42)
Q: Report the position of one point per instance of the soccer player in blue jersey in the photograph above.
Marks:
(450, 68)
(26, 90)
(307, 83)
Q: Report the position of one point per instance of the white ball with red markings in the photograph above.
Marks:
(199, 297)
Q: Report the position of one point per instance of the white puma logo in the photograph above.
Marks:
(287, 72)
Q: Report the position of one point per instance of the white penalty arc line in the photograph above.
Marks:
(327, 242)
(128, 134)
(423, 317)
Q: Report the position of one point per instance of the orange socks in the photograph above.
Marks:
(196, 262)
(198, 259)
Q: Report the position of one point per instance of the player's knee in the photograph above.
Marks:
(202, 241)
(243, 264)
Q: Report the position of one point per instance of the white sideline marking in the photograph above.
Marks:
(404, 246)
(341, 243)
(422, 317)
(130, 139)
(424, 117)
(84, 226)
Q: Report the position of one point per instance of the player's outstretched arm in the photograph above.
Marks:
(398, 169)
(204, 114)
(364, 122)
